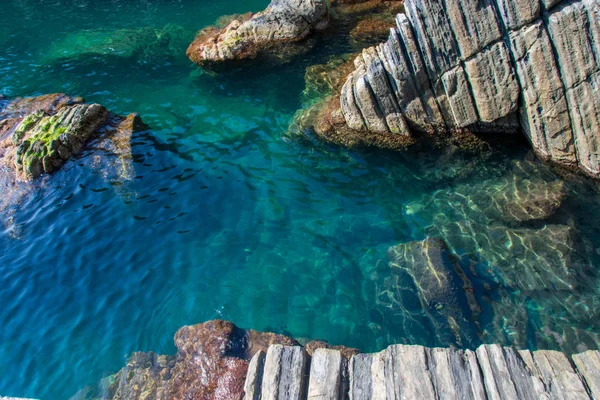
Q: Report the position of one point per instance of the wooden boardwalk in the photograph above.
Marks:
(416, 372)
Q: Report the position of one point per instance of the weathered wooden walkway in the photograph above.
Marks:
(415, 372)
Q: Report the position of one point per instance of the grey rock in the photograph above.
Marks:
(367, 379)
(496, 375)
(434, 35)
(558, 375)
(254, 377)
(493, 81)
(459, 96)
(325, 375)
(284, 373)
(406, 373)
(455, 374)
(588, 365)
(474, 25)
(544, 112)
(478, 64)
(517, 13)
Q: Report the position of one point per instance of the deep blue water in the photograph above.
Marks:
(228, 216)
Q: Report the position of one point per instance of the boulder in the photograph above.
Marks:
(39, 134)
(282, 22)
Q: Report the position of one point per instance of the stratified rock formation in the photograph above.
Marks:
(283, 21)
(39, 134)
(491, 65)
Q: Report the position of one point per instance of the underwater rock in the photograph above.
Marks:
(211, 363)
(39, 134)
(441, 283)
(371, 30)
(451, 65)
(147, 44)
(282, 22)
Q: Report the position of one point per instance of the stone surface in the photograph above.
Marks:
(39, 134)
(558, 375)
(477, 65)
(325, 375)
(406, 373)
(254, 376)
(588, 365)
(283, 21)
(367, 379)
(285, 373)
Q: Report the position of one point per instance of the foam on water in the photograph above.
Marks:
(223, 215)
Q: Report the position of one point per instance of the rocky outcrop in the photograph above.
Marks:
(483, 66)
(283, 21)
(39, 134)
(211, 363)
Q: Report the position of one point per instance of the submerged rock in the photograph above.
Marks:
(147, 44)
(441, 283)
(282, 22)
(450, 66)
(39, 134)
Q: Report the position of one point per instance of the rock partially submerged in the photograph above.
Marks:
(211, 363)
(39, 134)
(247, 35)
(451, 66)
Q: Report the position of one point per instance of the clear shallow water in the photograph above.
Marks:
(228, 217)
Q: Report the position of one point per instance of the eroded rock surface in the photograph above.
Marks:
(283, 21)
(39, 134)
(485, 66)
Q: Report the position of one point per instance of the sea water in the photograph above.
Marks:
(228, 215)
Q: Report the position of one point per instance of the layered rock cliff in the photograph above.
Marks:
(483, 66)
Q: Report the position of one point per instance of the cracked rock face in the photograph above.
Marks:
(39, 134)
(486, 66)
(283, 21)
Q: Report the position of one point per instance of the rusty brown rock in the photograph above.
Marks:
(211, 364)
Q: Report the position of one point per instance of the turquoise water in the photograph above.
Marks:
(230, 217)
